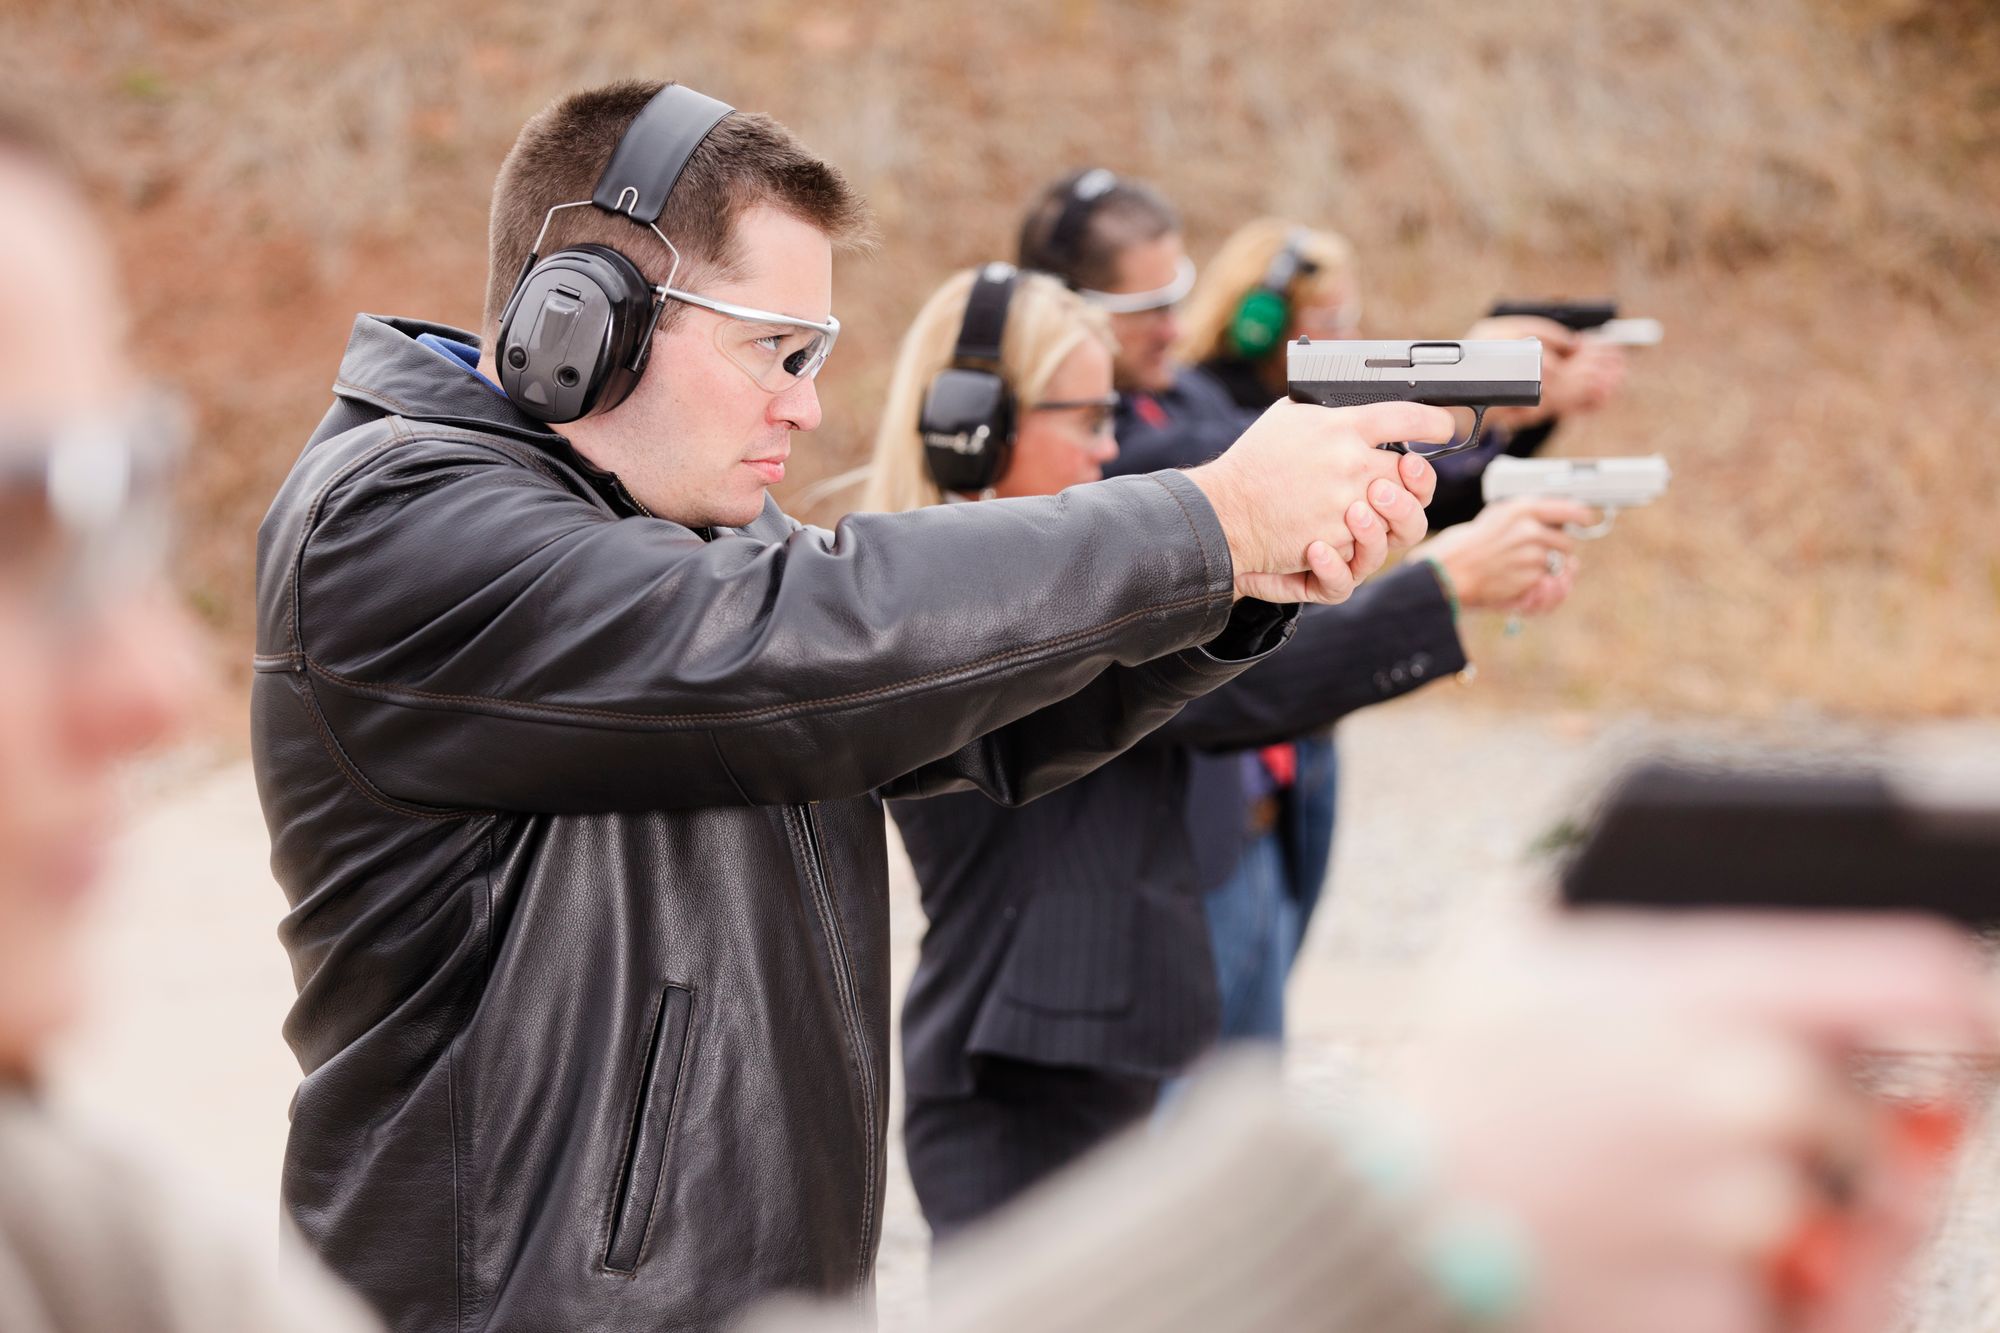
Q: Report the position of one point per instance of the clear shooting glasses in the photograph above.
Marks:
(86, 502)
(777, 351)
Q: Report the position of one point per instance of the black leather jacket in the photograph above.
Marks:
(576, 810)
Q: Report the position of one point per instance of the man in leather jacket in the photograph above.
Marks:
(571, 747)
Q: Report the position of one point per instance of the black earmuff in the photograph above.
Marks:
(968, 416)
(578, 328)
(1257, 325)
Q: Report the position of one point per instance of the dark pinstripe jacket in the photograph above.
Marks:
(1069, 930)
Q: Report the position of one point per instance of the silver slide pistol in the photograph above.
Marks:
(1607, 484)
(1478, 373)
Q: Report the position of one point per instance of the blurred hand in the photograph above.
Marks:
(1579, 374)
(1656, 1101)
(1500, 560)
(1310, 506)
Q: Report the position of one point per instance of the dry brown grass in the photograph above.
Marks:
(1808, 193)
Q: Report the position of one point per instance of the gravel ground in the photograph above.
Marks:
(1440, 805)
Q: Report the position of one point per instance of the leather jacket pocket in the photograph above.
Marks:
(645, 1156)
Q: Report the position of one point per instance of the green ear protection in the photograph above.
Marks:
(1258, 325)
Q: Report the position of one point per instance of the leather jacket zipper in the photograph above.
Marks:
(850, 1007)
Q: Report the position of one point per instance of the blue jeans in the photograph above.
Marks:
(1311, 830)
(1257, 917)
(1253, 923)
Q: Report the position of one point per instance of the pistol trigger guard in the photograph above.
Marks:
(1478, 420)
(1595, 530)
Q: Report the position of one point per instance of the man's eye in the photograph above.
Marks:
(770, 341)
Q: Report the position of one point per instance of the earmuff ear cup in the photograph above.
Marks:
(1259, 324)
(575, 334)
(967, 427)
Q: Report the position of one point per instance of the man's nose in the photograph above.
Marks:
(139, 677)
(1103, 448)
(797, 407)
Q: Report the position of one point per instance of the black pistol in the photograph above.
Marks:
(1597, 318)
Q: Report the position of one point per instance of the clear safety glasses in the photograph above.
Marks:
(777, 351)
(86, 502)
(1140, 303)
(1094, 414)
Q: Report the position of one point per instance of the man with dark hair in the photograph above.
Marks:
(570, 742)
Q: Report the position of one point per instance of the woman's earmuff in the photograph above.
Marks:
(968, 417)
(1258, 325)
(578, 328)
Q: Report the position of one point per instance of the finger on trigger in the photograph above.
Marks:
(1383, 423)
(1561, 512)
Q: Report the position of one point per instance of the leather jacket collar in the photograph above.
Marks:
(385, 367)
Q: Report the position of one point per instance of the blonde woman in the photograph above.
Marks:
(1273, 281)
(1270, 282)
(1055, 359)
(1066, 971)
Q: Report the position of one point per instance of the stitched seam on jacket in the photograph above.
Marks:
(457, 1203)
(1207, 561)
(865, 1067)
(775, 712)
(354, 776)
(311, 521)
(349, 770)
(821, 895)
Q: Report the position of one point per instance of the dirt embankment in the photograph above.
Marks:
(1807, 192)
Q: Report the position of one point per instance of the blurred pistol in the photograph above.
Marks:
(1597, 318)
(1443, 373)
(1607, 484)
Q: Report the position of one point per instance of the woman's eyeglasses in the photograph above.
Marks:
(1097, 413)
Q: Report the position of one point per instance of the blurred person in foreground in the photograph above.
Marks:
(96, 664)
(1066, 969)
(1613, 1126)
(1274, 281)
(572, 744)
(1261, 819)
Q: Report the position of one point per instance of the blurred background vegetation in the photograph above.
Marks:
(1807, 192)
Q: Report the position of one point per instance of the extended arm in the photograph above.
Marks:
(476, 635)
(1396, 634)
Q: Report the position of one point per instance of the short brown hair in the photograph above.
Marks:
(748, 159)
(1127, 214)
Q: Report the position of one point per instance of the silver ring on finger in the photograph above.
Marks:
(1554, 560)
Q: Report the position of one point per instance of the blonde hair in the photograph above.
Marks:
(1045, 323)
(1240, 265)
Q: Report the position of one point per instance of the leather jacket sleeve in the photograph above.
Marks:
(1062, 742)
(1395, 634)
(474, 635)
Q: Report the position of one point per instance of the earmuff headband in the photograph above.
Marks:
(985, 317)
(654, 151)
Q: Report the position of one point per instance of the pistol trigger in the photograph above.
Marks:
(1394, 446)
